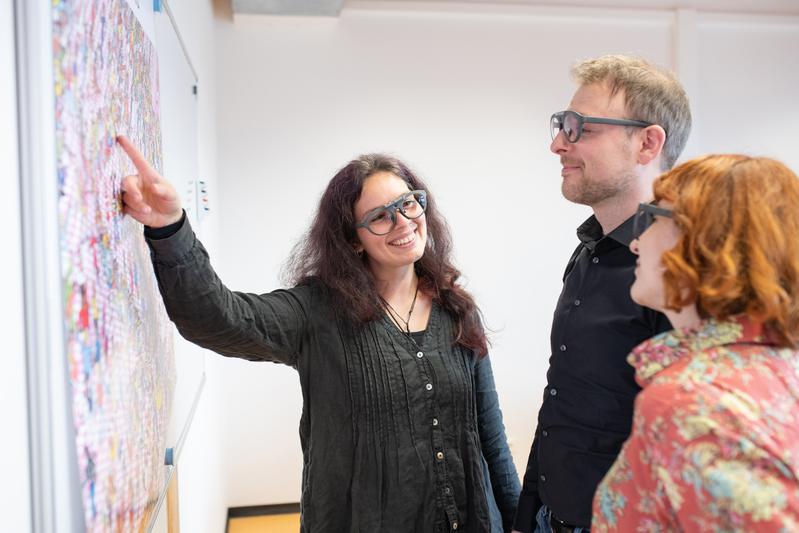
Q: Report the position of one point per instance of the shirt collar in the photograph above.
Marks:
(590, 232)
(661, 351)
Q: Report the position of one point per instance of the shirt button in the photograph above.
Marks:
(577, 302)
(545, 433)
(553, 392)
(447, 490)
(440, 455)
(435, 421)
(595, 260)
(419, 355)
(429, 386)
(562, 347)
(543, 478)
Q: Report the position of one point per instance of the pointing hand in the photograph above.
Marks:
(147, 196)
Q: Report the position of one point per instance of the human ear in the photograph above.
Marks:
(652, 140)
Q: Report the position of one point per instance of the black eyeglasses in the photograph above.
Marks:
(571, 124)
(645, 216)
(381, 220)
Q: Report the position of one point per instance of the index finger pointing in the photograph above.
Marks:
(139, 161)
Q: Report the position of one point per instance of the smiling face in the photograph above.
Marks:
(662, 236)
(600, 166)
(405, 243)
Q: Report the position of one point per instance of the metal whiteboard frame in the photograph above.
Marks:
(157, 5)
(55, 485)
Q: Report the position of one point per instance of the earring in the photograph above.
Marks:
(359, 253)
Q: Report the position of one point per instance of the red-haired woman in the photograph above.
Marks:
(401, 428)
(715, 441)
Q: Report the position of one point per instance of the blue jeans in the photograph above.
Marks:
(542, 522)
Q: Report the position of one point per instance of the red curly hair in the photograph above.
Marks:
(739, 249)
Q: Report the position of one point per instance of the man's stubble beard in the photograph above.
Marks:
(588, 192)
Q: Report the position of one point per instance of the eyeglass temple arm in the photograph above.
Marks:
(617, 121)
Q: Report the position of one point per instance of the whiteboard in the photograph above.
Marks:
(55, 486)
(179, 87)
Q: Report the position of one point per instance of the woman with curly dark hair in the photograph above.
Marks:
(401, 429)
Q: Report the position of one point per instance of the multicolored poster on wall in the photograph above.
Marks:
(119, 339)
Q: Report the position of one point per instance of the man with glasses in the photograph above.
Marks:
(627, 123)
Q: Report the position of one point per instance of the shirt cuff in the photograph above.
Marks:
(526, 512)
(166, 231)
(170, 244)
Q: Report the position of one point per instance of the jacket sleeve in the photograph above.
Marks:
(257, 327)
(494, 443)
(529, 501)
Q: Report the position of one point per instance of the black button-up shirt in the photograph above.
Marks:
(588, 402)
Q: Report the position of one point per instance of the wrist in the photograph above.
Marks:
(174, 218)
(165, 231)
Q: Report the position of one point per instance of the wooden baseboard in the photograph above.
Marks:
(260, 510)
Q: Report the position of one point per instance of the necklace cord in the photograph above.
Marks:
(395, 315)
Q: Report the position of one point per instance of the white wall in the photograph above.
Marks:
(15, 492)
(749, 82)
(463, 93)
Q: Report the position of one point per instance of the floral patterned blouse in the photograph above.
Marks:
(715, 440)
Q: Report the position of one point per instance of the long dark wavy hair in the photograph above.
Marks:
(327, 254)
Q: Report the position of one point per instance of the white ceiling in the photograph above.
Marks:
(332, 7)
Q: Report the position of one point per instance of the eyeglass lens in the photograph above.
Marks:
(569, 123)
(383, 221)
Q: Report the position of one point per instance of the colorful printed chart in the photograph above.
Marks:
(119, 338)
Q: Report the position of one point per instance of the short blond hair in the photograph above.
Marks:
(651, 94)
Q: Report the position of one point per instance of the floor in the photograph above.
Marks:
(275, 523)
